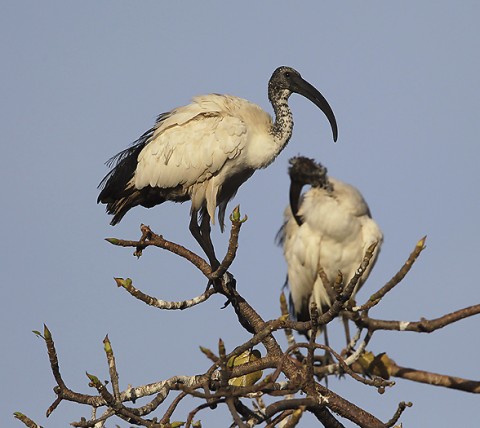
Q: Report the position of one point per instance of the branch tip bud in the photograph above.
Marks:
(221, 348)
(46, 333)
(421, 242)
(204, 350)
(125, 283)
(235, 216)
(93, 379)
(107, 345)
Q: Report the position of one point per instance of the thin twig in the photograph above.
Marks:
(163, 304)
(397, 278)
(26, 420)
(168, 414)
(326, 418)
(94, 422)
(435, 379)
(119, 409)
(112, 369)
(192, 414)
(422, 326)
(275, 422)
(311, 346)
(401, 408)
(345, 365)
(232, 244)
(233, 411)
(159, 241)
(348, 290)
(288, 331)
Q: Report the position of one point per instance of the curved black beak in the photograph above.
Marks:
(304, 171)
(295, 191)
(302, 87)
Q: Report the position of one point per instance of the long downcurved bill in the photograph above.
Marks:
(295, 192)
(302, 87)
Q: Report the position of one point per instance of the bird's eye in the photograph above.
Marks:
(287, 74)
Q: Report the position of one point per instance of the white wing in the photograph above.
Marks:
(191, 145)
(198, 147)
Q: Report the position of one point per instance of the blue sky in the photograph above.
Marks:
(81, 80)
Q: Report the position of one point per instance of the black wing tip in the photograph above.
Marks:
(116, 219)
(280, 236)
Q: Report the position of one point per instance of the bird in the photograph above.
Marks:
(329, 227)
(203, 152)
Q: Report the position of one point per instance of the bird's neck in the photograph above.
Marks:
(282, 128)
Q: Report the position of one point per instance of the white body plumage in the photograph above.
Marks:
(201, 146)
(336, 231)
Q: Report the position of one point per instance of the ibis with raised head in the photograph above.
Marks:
(329, 227)
(203, 152)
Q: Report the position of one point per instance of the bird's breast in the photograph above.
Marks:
(326, 217)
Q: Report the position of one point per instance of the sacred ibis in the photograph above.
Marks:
(203, 152)
(328, 227)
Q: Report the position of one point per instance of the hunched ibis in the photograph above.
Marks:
(203, 152)
(328, 227)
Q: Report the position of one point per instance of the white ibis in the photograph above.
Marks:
(330, 228)
(203, 152)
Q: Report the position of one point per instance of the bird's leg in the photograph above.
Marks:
(201, 233)
(346, 326)
(205, 230)
(328, 355)
(224, 284)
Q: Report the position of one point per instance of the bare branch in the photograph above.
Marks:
(151, 239)
(232, 244)
(117, 407)
(376, 297)
(26, 420)
(112, 368)
(326, 418)
(94, 422)
(401, 408)
(233, 411)
(163, 304)
(347, 292)
(344, 364)
(168, 414)
(292, 415)
(435, 379)
(422, 326)
(288, 371)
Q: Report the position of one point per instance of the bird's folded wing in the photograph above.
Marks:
(189, 151)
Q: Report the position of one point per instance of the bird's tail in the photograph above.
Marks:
(119, 207)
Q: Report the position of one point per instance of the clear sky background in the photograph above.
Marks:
(81, 80)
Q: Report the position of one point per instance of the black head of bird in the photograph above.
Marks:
(287, 80)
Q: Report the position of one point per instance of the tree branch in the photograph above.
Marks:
(435, 379)
(151, 239)
(397, 278)
(163, 304)
(422, 326)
